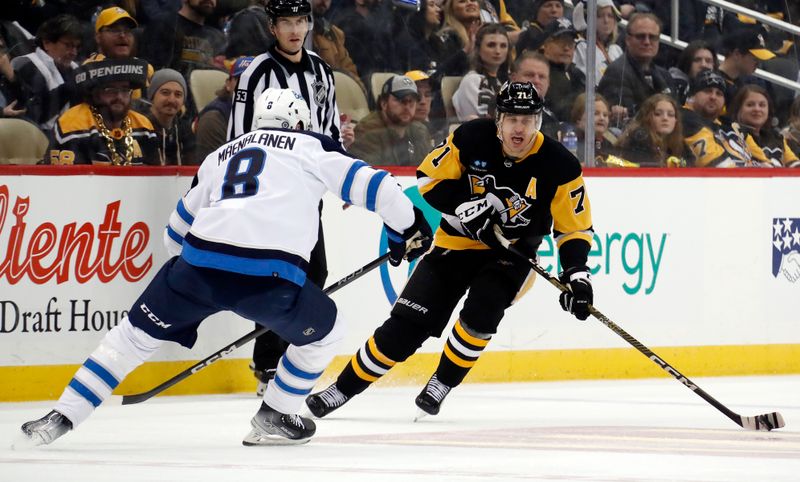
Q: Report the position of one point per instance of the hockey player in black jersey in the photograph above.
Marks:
(488, 173)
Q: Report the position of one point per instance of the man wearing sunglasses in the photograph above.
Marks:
(634, 77)
(103, 129)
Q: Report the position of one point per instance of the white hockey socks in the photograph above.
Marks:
(124, 348)
(299, 369)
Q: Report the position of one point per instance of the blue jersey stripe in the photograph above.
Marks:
(183, 213)
(298, 372)
(394, 235)
(248, 266)
(289, 389)
(85, 392)
(174, 235)
(348, 180)
(372, 189)
(101, 372)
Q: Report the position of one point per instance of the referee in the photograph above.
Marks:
(287, 64)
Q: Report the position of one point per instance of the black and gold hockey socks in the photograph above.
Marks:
(366, 366)
(463, 348)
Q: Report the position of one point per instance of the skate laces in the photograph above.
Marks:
(332, 397)
(436, 389)
(295, 420)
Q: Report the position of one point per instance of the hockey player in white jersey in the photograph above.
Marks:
(240, 240)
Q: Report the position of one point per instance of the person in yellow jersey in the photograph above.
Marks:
(488, 173)
(103, 129)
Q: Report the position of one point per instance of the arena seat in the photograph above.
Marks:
(21, 142)
(204, 83)
(350, 97)
(449, 85)
(376, 81)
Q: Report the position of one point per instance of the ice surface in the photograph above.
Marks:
(627, 430)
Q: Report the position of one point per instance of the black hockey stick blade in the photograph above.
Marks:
(228, 349)
(764, 422)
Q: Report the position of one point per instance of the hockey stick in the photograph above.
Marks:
(766, 422)
(228, 349)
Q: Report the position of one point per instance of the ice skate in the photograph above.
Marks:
(263, 377)
(430, 399)
(326, 401)
(271, 427)
(43, 431)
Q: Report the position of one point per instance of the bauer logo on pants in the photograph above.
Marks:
(786, 248)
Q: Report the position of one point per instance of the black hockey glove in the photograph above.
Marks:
(411, 243)
(478, 218)
(579, 294)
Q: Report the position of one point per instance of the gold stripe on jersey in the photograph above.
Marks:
(462, 333)
(572, 212)
(789, 156)
(360, 371)
(78, 122)
(705, 148)
(453, 357)
(369, 363)
(440, 164)
(373, 349)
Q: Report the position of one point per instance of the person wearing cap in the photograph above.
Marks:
(113, 34)
(103, 129)
(607, 33)
(436, 124)
(634, 77)
(490, 58)
(175, 139)
(44, 79)
(541, 14)
(390, 136)
(566, 80)
(212, 122)
(743, 49)
(713, 141)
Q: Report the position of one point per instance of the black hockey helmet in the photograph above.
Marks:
(519, 98)
(288, 8)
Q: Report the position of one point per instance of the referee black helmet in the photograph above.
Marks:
(288, 8)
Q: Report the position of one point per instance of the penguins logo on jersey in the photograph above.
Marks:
(319, 92)
(513, 204)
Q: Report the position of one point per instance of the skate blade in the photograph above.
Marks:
(255, 438)
(420, 415)
(22, 441)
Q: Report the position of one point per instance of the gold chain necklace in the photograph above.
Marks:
(116, 158)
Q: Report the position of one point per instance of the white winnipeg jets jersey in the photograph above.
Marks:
(253, 206)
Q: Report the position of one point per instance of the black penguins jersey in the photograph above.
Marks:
(542, 190)
(718, 144)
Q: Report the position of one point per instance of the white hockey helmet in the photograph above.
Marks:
(283, 108)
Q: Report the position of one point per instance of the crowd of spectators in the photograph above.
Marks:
(655, 105)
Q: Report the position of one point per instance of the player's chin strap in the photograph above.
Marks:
(766, 422)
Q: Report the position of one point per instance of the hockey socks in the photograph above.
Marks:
(366, 366)
(123, 349)
(463, 348)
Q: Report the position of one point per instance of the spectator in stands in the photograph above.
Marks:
(415, 35)
(8, 101)
(566, 80)
(391, 136)
(478, 89)
(175, 139)
(151, 9)
(367, 34)
(743, 50)
(792, 131)
(542, 13)
(456, 40)
(437, 126)
(182, 42)
(103, 129)
(114, 38)
(606, 46)
(329, 42)
(752, 109)
(654, 138)
(634, 77)
(45, 78)
(212, 122)
(248, 31)
(711, 141)
(697, 56)
(534, 68)
(602, 144)
(495, 11)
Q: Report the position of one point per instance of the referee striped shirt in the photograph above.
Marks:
(311, 77)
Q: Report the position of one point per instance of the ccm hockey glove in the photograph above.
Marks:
(478, 218)
(579, 294)
(411, 243)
